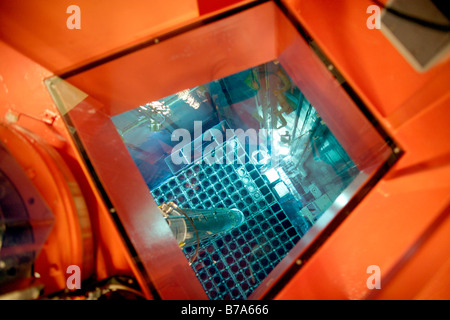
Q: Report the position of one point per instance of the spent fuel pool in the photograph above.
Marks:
(231, 265)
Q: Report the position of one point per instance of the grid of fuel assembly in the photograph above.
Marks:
(232, 265)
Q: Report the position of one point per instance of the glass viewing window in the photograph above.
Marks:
(240, 123)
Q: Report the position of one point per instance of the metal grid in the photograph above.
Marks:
(232, 265)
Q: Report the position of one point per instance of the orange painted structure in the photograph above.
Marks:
(402, 225)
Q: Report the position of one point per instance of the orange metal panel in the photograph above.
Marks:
(423, 271)
(438, 284)
(426, 136)
(39, 28)
(412, 106)
(413, 196)
(378, 232)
